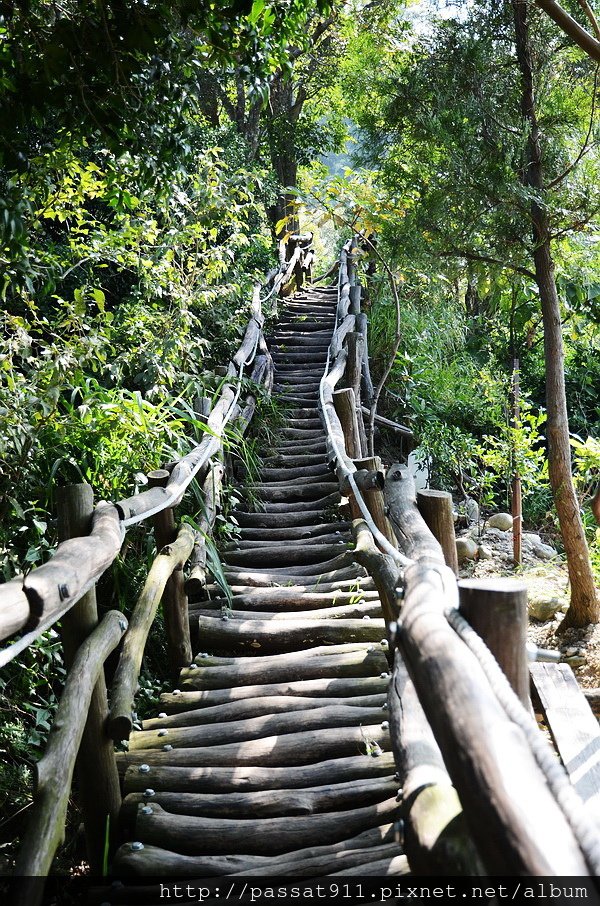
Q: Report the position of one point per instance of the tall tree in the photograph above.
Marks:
(585, 606)
(488, 177)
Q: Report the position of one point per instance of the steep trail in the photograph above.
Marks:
(273, 755)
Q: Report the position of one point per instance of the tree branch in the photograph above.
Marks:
(488, 259)
(571, 27)
(589, 13)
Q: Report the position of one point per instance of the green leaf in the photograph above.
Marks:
(255, 12)
(99, 298)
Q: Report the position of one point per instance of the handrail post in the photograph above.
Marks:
(436, 509)
(354, 343)
(497, 611)
(96, 763)
(344, 403)
(174, 600)
(374, 499)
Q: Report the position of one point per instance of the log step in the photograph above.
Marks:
(262, 804)
(178, 701)
(284, 603)
(337, 661)
(259, 707)
(284, 554)
(289, 635)
(313, 862)
(253, 728)
(291, 533)
(283, 520)
(193, 835)
(277, 751)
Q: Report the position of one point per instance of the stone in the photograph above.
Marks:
(542, 608)
(577, 661)
(502, 521)
(484, 552)
(466, 549)
(472, 511)
(571, 652)
(530, 539)
(544, 551)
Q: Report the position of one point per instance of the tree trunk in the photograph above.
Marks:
(584, 606)
(286, 110)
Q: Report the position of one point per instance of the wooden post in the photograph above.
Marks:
(96, 766)
(355, 345)
(516, 494)
(174, 601)
(497, 611)
(374, 499)
(344, 402)
(436, 509)
(355, 293)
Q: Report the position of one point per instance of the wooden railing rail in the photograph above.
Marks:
(63, 588)
(475, 798)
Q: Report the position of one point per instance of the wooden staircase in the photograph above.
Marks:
(273, 755)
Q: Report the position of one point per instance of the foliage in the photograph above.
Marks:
(29, 687)
(587, 461)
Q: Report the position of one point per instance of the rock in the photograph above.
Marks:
(466, 549)
(571, 652)
(530, 539)
(484, 552)
(472, 511)
(544, 551)
(542, 608)
(577, 661)
(502, 521)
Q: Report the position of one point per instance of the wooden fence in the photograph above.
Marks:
(480, 787)
(85, 729)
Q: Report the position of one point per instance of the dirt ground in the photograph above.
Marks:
(548, 595)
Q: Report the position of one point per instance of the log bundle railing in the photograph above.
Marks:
(85, 729)
(481, 789)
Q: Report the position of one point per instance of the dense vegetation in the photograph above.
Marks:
(153, 151)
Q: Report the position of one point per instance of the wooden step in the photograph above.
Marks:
(253, 728)
(276, 751)
(311, 862)
(342, 660)
(354, 686)
(294, 634)
(259, 707)
(246, 779)
(192, 835)
(262, 804)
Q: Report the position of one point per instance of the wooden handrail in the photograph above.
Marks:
(485, 756)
